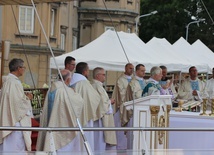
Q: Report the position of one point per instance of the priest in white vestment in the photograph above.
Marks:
(120, 95)
(15, 111)
(90, 96)
(61, 109)
(210, 86)
(192, 89)
(107, 139)
(134, 91)
(167, 84)
(153, 87)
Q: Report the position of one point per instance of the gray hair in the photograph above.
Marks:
(97, 71)
(65, 74)
(14, 64)
(155, 70)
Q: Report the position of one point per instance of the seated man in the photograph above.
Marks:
(60, 110)
(192, 89)
(153, 87)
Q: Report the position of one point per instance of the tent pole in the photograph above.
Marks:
(87, 145)
(2, 62)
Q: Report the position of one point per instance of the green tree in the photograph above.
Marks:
(172, 18)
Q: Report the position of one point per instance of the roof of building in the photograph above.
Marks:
(23, 2)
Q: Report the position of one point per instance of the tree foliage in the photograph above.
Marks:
(172, 18)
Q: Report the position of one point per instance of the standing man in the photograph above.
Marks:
(167, 84)
(120, 95)
(138, 82)
(210, 85)
(192, 88)
(153, 87)
(134, 90)
(107, 139)
(61, 108)
(210, 88)
(90, 96)
(15, 110)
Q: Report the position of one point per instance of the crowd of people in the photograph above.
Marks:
(74, 100)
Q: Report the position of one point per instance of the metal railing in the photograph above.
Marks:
(104, 129)
(118, 152)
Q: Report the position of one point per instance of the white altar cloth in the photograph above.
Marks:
(199, 140)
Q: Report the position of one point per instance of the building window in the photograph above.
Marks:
(90, 0)
(74, 47)
(53, 21)
(62, 44)
(129, 1)
(109, 28)
(26, 19)
(113, 0)
(76, 3)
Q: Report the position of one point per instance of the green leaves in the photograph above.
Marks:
(172, 18)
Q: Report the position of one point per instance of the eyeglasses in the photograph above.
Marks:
(102, 74)
(72, 64)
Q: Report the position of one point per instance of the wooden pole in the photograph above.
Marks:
(2, 63)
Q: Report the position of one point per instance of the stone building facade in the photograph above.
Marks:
(20, 25)
(68, 25)
(95, 17)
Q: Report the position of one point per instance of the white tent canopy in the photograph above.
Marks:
(187, 52)
(107, 52)
(166, 53)
(204, 53)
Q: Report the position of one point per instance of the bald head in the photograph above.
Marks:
(129, 69)
(66, 75)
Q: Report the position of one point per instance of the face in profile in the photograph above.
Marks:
(86, 72)
(164, 72)
(21, 70)
(158, 77)
(101, 76)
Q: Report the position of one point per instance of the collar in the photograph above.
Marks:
(193, 80)
(128, 76)
(76, 78)
(96, 81)
(12, 75)
(139, 78)
(153, 80)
